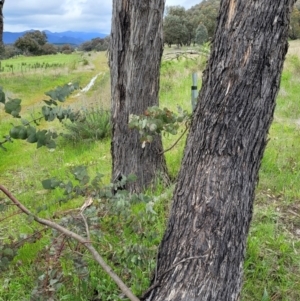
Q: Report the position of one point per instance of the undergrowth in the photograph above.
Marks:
(95, 125)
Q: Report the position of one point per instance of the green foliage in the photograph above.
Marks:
(85, 62)
(201, 34)
(135, 214)
(32, 42)
(7, 253)
(96, 44)
(60, 93)
(183, 28)
(175, 31)
(93, 125)
(180, 25)
(294, 32)
(7, 52)
(26, 131)
(155, 121)
(66, 49)
(48, 49)
(13, 107)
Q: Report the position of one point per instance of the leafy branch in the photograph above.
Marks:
(27, 130)
(6, 139)
(82, 240)
(187, 126)
(154, 121)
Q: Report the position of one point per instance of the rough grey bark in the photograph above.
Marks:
(135, 56)
(1, 22)
(202, 252)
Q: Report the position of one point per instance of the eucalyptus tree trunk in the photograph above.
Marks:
(202, 252)
(1, 22)
(135, 57)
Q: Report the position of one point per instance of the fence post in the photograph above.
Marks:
(194, 91)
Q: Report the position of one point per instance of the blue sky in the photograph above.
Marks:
(63, 15)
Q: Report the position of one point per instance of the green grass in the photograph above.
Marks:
(175, 90)
(129, 240)
(272, 263)
(30, 86)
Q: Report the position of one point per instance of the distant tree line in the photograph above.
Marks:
(97, 44)
(181, 27)
(197, 24)
(35, 43)
(191, 26)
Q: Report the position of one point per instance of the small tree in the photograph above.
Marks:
(294, 32)
(176, 26)
(206, 13)
(49, 49)
(32, 42)
(66, 49)
(201, 34)
(175, 32)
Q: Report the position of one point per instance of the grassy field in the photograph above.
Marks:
(129, 235)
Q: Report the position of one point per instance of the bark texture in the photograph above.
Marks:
(202, 252)
(135, 57)
(1, 22)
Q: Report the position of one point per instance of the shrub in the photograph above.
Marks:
(49, 49)
(201, 34)
(67, 49)
(67, 52)
(85, 62)
(94, 126)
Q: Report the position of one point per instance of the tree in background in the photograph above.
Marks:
(97, 44)
(201, 34)
(206, 13)
(1, 23)
(135, 56)
(49, 49)
(180, 25)
(202, 252)
(175, 31)
(66, 49)
(9, 51)
(295, 22)
(32, 42)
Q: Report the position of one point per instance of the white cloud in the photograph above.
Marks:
(58, 15)
(63, 15)
(187, 4)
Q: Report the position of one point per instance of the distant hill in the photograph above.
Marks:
(66, 37)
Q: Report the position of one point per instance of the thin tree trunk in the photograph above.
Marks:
(1, 22)
(135, 57)
(202, 252)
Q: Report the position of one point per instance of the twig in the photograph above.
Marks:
(293, 212)
(86, 226)
(11, 215)
(166, 150)
(77, 237)
(6, 139)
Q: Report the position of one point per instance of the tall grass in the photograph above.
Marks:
(93, 125)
